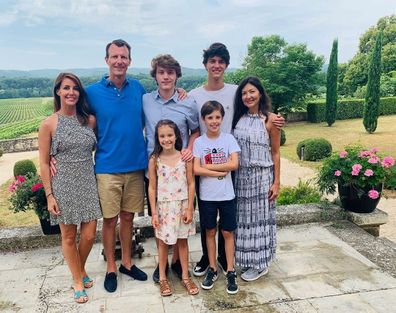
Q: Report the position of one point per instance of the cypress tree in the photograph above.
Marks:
(331, 85)
(371, 104)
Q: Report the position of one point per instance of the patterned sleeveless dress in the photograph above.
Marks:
(74, 185)
(255, 245)
(172, 202)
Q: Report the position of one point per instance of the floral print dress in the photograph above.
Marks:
(172, 202)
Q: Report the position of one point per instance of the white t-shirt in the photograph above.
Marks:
(225, 96)
(215, 151)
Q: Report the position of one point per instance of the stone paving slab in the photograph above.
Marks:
(315, 271)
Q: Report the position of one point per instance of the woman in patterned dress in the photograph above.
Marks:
(257, 179)
(72, 195)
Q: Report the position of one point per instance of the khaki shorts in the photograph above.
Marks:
(121, 192)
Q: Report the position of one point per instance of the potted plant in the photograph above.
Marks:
(359, 175)
(27, 193)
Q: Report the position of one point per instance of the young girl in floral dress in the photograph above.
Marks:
(171, 196)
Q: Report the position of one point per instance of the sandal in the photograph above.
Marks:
(165, 288)
(87, 281)
(191, 287)
(80, 296)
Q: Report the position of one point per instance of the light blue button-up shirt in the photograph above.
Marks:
(183, 112)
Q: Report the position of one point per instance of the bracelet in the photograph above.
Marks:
(48, 195)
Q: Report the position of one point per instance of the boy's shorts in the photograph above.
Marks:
(227, 213)
(120, 192)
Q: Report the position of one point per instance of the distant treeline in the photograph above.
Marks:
(42, 87)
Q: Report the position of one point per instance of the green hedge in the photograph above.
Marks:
(347, 109)
(314, 149)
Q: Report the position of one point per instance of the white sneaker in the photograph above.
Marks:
(253, 274)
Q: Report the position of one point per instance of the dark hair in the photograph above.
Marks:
(240, 109)
(210, 106)
(166, 61)
(82, 108)
(157, 146)
(118, 43)
(216, 49)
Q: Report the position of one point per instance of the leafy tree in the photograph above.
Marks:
(356, 74)
(331, 85)
(370, 117)
(288, 72)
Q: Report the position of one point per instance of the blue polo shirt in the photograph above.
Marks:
(119, 123)
(183, 113)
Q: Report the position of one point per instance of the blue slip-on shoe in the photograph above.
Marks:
(134, 272)
(110, 282)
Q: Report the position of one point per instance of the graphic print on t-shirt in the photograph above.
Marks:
(215, 156)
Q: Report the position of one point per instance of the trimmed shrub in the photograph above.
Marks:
(282, 137)
(314, 149)
(390, 181)
(21, 168)
(347, 109)
(331, 86)
(302, 193)
(370, 118)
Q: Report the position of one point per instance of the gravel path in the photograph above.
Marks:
(290, 174)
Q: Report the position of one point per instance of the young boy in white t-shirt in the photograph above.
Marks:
(215, 156)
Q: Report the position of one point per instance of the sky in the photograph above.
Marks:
(42, 34)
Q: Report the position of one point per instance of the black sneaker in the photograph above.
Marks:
(201, 267)
(156, 275)
(177, 268)
(110, 282)
(210, 278)
(222, 263)
(134, 272)
(232, 286)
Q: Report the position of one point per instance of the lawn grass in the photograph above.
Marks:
(7, 217)
(341, 134)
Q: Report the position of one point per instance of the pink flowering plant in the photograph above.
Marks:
(27, 193)
(365, 169)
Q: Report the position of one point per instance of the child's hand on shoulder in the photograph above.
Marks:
(187, 216)
(154, 221)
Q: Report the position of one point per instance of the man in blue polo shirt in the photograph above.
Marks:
(121, 158)
(164, 103)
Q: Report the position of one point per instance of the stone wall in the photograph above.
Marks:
(19, 145)
(297, 116)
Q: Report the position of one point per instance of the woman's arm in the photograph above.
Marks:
(191, 192)
(231, 165)
(274, 134)
(152, 191)
(44, 143)
(201, 171)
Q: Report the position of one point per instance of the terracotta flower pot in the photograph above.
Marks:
(352, 201)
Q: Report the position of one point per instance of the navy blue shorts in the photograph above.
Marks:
(227, 213)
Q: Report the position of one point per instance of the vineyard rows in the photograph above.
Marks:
(22, 116)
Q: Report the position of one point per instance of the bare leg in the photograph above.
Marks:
(70, 252)
(109, 241)
(175, 255)
(126, 224)
(183, 253)
(229, 249)
(87, 238)
(211, 244)
(162, 258)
